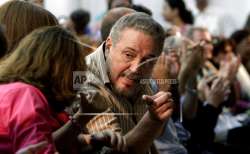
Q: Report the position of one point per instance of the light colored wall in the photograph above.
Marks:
(3, 1)
(238, 9)
(62, 7)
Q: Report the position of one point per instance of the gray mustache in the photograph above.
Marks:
(132, 76)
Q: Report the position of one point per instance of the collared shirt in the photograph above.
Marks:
(216, 22)
(115, 112)
(119, 113)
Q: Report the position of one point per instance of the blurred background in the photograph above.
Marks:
(238, 10)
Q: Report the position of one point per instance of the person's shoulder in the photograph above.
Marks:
(92, 60)
(19, 87)
(24, 95)
(94, 54)
(28, 88)
(23, 102)
(14, 86)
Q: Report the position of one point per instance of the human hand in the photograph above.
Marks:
(160, 105)
(82, 116)
(191, 61)
(229, 68)
(107, 138)
(193, 58)
(174, 64)
(165, 68)
(203, 87)
(217, 92)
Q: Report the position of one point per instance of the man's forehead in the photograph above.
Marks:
(200, 35)
(137, 40)
(130, 33)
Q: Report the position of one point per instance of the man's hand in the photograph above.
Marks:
(107, 138)
(82, 116)
(160, 106)
(165, 68)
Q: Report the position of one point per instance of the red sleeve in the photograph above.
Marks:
(30, 119)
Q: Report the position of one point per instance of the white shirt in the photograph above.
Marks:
(217, 23)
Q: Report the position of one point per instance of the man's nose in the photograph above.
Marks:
(135, 66)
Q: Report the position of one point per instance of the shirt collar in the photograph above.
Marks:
(102, 65)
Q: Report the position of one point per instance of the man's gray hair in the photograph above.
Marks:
(141, 22)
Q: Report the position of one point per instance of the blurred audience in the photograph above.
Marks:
(216, 21)
(110, 19)
(37, 2)
(141, 8)
(78, 24)
(119, 3)
(17, 25)
(247, 24)
(242, 40)
(175, 12)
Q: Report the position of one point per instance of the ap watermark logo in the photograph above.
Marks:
(79, 77)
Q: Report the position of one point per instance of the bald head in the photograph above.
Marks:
(111, 17)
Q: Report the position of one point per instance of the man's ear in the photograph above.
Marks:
(108, 43)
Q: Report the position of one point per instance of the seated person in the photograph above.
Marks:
(113, 83)
(34, 91)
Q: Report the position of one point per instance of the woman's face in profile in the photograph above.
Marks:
(168, 13)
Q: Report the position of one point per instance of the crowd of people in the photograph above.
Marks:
(138, 88)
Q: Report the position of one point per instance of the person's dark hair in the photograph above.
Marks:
(46, 59)
(3, 43)
(20, 18)
(240, 35)
(110, 2)
(80, 19)
(141, 8)
(140, 22)
(202, 4)
(185, 14)
(220, 46)
(247, 24)
(38, 2)
(110, 18)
